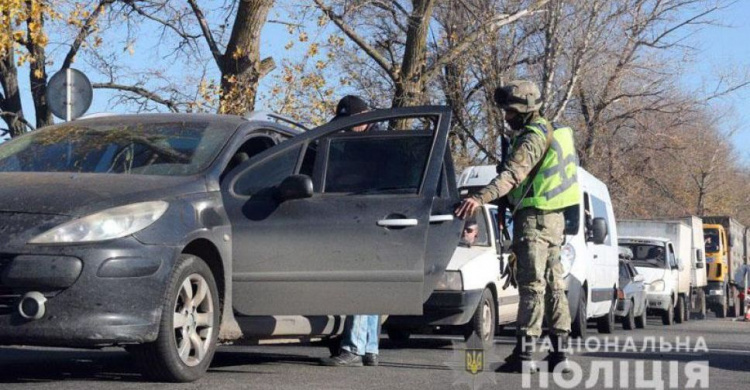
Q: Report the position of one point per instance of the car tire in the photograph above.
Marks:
(606, 324)
(579, 323)
(667, 316)
(484, 319)
(183, 354)
(679, 310)
(701, 304)
(398, 335)
(640, 321)
(628, 322)
(721, 309)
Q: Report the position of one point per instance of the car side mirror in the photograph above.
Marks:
(638, 278)
(296, 187)
(599, 229)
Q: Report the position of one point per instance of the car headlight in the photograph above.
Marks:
(451, 281)
(567, 256)
(656, 285)
(109, 224)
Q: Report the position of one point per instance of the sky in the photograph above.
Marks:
(719, 48)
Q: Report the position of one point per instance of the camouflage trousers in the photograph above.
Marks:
(537, 236)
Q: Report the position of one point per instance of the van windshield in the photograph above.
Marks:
(647, 255)
(711, 240)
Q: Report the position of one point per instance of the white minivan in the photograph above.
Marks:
(589, 253)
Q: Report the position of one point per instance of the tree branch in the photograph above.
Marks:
(140, 91)
(84, 32)
(346, 29)
(207, 33)
(470, 39)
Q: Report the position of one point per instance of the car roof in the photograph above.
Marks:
(265, 120)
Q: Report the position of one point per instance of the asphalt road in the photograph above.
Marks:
(435, 362)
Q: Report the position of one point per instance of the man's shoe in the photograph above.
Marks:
(521, 357)
(344, 359)
(558, 359)
(370, 359)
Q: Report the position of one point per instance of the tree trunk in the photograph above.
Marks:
(409, 87)
(10, 101)
(38, 73)
(241, 67)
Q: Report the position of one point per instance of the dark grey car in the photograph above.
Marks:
(163, 232)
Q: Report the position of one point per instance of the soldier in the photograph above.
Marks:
(539, 180)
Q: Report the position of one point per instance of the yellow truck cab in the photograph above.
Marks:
(726, 250)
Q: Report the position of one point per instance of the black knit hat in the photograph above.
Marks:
(350, 105)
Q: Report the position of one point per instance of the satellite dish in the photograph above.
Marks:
(69, 94)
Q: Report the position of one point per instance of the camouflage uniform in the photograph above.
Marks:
(537, 237)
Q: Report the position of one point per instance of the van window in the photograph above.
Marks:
(600, 211)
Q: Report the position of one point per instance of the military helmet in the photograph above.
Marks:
(519, 95)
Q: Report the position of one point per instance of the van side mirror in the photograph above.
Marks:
(296, 187)
(638, 278)
(599, 229)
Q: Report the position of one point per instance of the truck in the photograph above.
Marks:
(727, 248)
(665, 252)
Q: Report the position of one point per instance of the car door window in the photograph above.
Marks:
(250, 148)
(261, 179)
(376, 165)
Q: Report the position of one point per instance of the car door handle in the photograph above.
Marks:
(596, 256)
(441, 218)
(398, 222)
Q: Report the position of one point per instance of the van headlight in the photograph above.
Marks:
(567, 257)
(451, 281)
(109, 224)
(656, 286)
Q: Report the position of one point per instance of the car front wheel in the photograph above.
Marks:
(484, 319)
(189, 326)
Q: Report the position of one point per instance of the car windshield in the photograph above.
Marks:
(127, 147)
(647, 255)
(711, 240)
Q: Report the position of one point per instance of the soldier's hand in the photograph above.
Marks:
(467, 208)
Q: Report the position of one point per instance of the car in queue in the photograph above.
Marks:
(167, 233)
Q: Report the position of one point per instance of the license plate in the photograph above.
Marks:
(716, 292)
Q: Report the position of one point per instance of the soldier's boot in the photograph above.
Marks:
(557, 357)
(521, 359)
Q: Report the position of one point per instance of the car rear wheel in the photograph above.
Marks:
(701, 303)
(189, 326)
(578, 325)
(628, 322)
(606, 324)
(484, 319)
(667, 316)
(640, 321)
(679, 311)
(721, 309)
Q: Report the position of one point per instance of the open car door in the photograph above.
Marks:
(336, 221)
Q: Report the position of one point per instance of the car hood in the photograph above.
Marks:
(76, 194)
(651, 274)
(463, 255)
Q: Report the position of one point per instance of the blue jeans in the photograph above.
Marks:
(361, 333)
